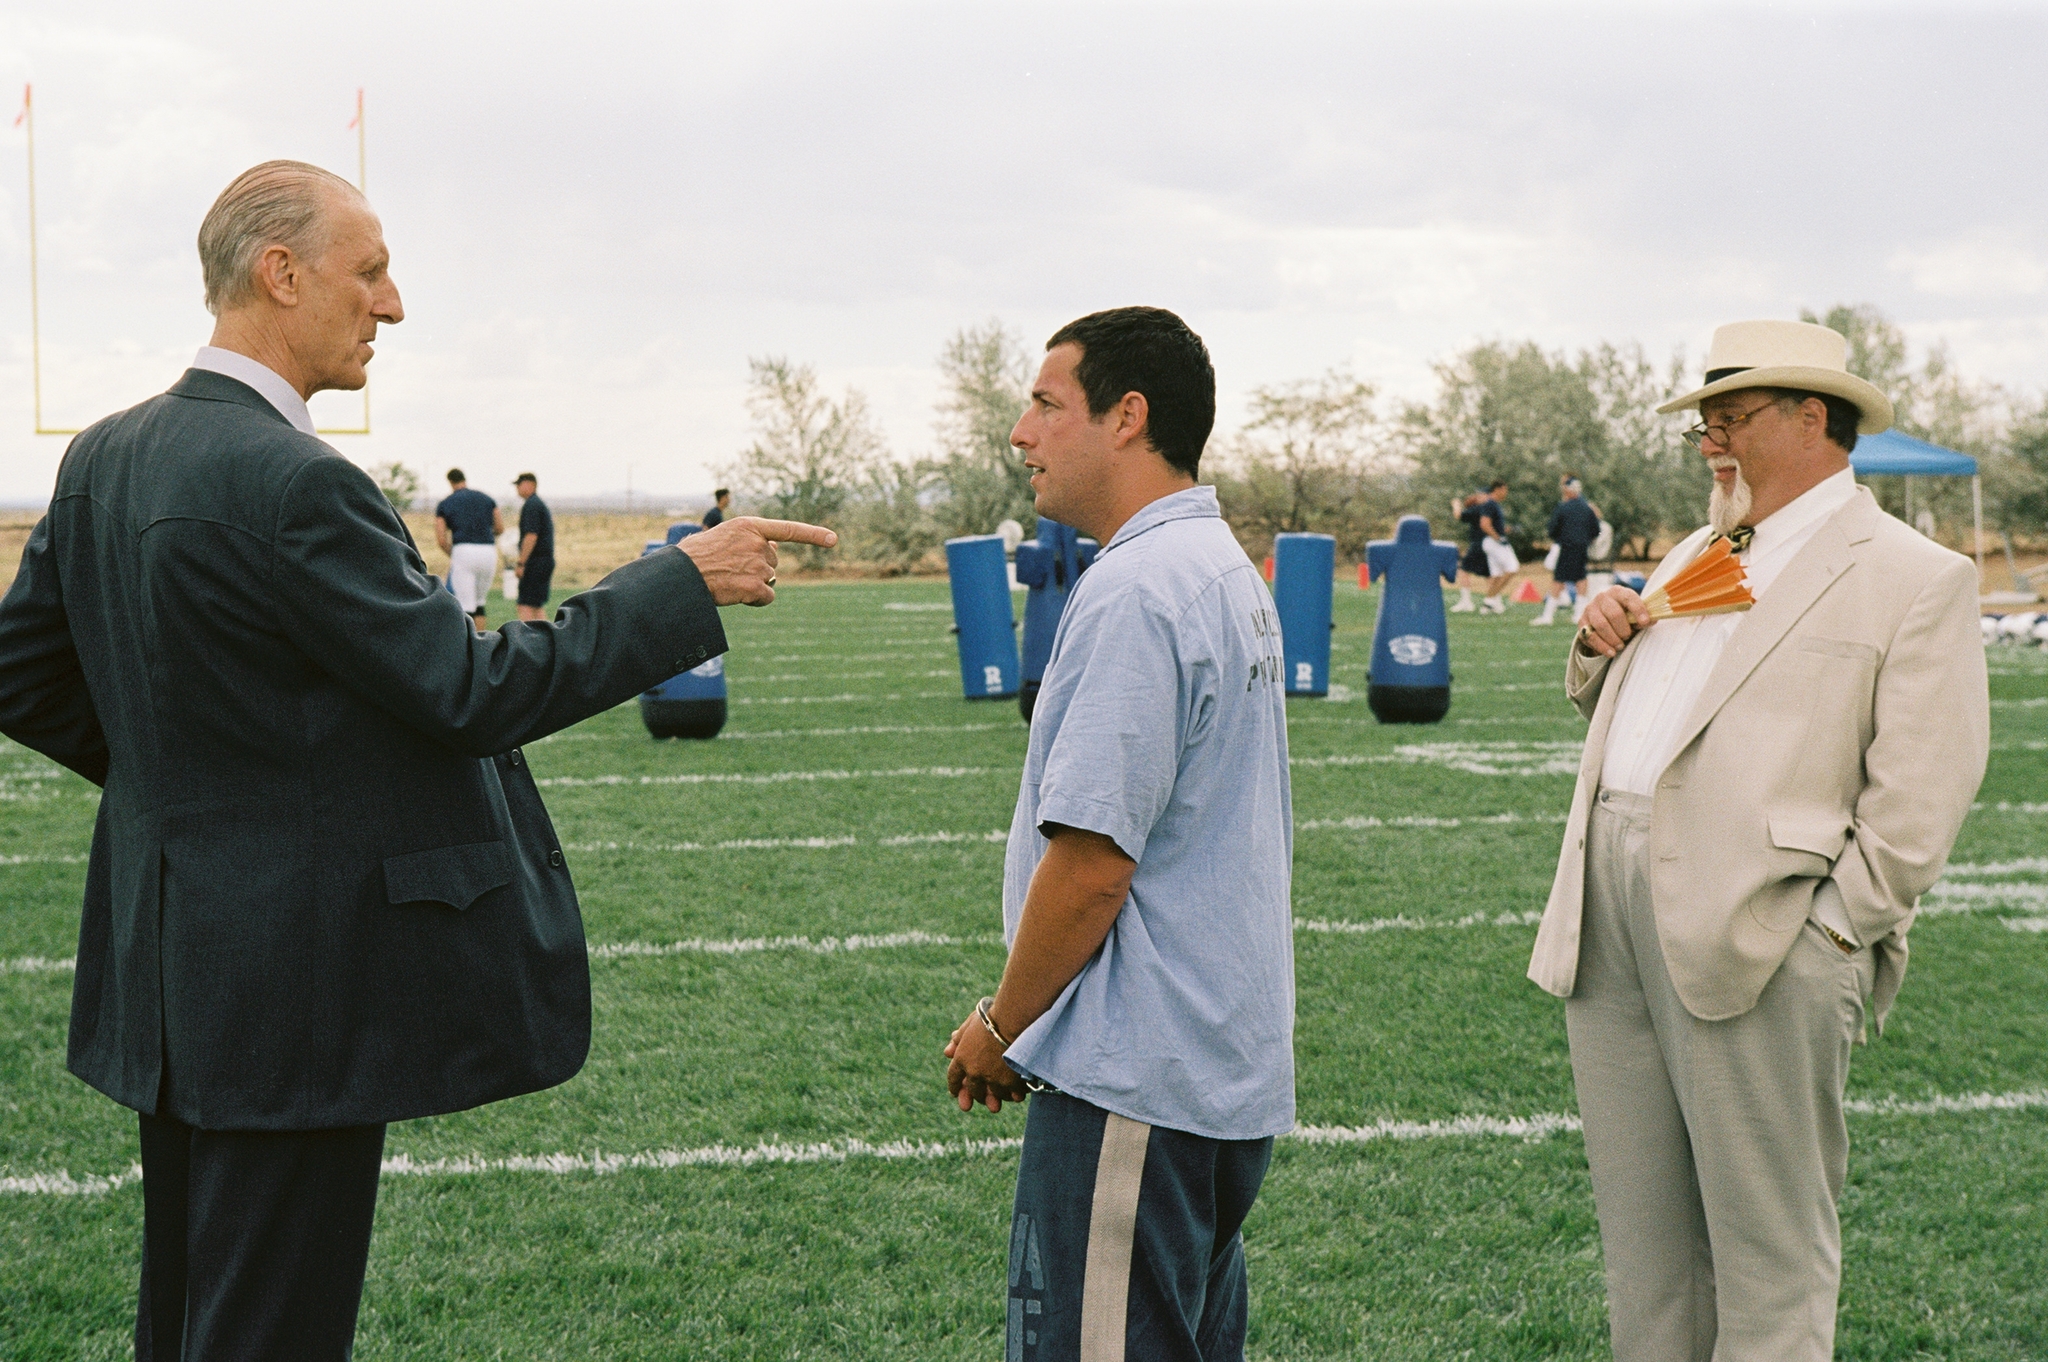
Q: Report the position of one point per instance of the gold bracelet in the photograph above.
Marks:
(981, 1010)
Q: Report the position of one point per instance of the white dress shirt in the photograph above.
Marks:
(262, 378)
(1676, 656)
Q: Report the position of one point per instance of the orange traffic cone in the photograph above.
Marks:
(1527, 594)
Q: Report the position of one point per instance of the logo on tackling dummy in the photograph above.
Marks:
(1412, 650)
(992, 677)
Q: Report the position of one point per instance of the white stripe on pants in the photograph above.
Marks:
(1717, 1149)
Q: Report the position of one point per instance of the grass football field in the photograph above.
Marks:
(760, 1161)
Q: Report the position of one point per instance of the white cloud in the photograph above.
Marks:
(1983, 266)
(598, 215)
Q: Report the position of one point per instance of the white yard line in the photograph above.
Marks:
(2015, 893)
(1404, 923)
(768, 777)
(756, 945)
(2026, 865)
(847, 699)
(38, 964)
(735, 844)
(1540, 1126)
(844, 658)
(855, 730)
(1369, 823)
(742, 679)
(862, 730)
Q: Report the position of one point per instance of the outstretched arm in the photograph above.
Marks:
(354, 596)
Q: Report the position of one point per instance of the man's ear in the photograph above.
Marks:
(1813, 419)
(1133, 414)
(277, 275)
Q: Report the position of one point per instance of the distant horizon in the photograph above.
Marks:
(593, 237)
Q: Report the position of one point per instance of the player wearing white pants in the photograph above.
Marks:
(470, 569)
(466, 526)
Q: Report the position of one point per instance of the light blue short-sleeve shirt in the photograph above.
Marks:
(1161, 724)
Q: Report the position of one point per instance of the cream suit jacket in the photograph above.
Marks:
(1841, 735)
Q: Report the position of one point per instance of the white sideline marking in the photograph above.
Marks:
(847, 699)
(1945, 899)
(918, 606)
(850, 731)
(898, 655)
(61, 1183)
(1966, 869)
(1354, 823)
(1540, 1126)
(735, 844)
(2029, 1100)
(766, 777)
(38, 964)
(1477, 758)
(1989, 893)
(746, 679)
(863, 729)
(1532, 1128)
(911, 839)
(1404, 923)
(824, 945)
(1368, 823)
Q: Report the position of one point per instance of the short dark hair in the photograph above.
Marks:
(1843, 414)
(721, 494)
(1496, 484)
(455, 475)
(526, 477)
(1151, 352)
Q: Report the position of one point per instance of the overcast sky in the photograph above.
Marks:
(598, 212)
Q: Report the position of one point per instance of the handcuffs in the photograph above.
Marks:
(981, 1010)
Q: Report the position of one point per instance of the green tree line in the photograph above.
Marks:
(1330, 454)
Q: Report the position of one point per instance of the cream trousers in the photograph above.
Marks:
(1717, 1148)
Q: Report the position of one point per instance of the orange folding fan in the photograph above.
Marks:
(1711, 584)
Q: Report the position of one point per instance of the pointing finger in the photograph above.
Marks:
(794, 532)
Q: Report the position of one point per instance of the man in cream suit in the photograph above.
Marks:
(1763, 798)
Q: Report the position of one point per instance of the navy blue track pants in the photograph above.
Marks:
(1124, 1246)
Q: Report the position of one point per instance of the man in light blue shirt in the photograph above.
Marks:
(1148, 1000)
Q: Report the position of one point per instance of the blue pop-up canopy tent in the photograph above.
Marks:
(1893, 454)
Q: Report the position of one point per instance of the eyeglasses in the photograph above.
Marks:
(1720, 430)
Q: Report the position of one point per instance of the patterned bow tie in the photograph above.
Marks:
(1738, 542)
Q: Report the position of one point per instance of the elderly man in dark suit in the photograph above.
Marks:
(323, 892)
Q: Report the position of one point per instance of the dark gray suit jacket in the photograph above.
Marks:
(323, 889)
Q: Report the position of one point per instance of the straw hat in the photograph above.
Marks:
(1771, 354)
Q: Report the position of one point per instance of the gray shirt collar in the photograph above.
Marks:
(265, 380)
(1193, 504)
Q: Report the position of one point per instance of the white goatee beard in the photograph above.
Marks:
(1727, 509)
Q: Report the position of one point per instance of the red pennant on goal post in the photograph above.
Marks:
(27, 92)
